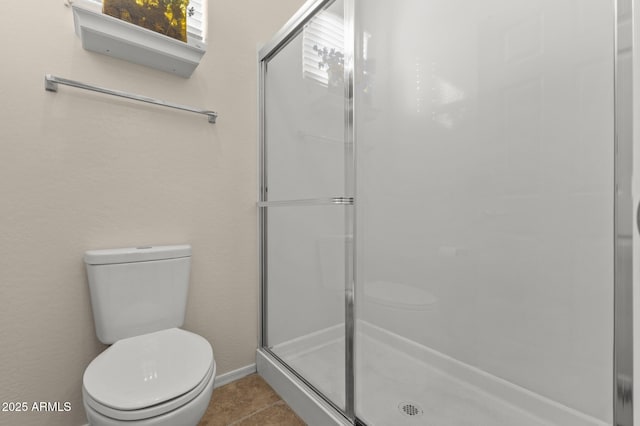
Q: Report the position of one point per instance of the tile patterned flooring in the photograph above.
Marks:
(249, 401)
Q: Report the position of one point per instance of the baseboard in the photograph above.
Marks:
(234, 375)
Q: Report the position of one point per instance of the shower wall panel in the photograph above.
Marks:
(485, 178)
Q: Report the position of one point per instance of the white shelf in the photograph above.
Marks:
(111, 36)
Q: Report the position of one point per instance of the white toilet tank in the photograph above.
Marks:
(138, 290)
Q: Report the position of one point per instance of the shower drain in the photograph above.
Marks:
(410, 409)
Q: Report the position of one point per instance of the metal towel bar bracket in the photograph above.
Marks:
(51, 84)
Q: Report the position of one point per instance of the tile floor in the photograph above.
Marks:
(248, 401)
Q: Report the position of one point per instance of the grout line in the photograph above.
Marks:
(235, 422)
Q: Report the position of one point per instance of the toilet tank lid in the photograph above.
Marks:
(136, 254)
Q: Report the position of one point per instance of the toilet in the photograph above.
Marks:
(154, 373)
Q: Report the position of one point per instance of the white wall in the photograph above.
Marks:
(83, 171)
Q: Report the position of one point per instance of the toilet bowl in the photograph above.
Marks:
(161, 378)
(154, 373)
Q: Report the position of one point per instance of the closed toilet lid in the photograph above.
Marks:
(146, 370)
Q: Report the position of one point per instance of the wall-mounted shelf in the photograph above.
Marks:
(111, 36)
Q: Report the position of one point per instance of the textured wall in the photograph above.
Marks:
(83, 171)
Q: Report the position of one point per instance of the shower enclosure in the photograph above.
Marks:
(445, 212)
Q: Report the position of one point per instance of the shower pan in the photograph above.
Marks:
(445, 212)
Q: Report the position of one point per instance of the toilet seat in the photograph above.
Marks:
(153, 411)
(148, 375)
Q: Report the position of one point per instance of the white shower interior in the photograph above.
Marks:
(484, 219)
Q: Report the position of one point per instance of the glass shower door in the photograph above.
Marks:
(485, 212)
(303, 206)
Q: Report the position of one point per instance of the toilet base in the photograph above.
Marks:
(188, 415)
